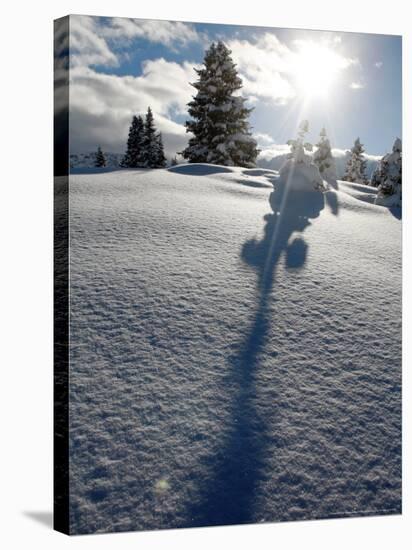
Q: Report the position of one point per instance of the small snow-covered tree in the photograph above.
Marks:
(356, 165)
(298, 145)
(100, 159)
(220, 126)
(323, 157)
(173, 162)
(300, 172)
(133, 157)
(390, 177)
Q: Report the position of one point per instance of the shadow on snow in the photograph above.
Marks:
(229, 497)
(200, 169)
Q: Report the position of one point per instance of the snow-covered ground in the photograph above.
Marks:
(225, 367)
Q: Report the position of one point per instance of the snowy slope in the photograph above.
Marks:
(225, 369)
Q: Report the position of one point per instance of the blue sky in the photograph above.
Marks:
(350, 83)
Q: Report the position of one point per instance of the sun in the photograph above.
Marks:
(315, 67)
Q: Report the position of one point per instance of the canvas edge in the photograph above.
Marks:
(61, 516)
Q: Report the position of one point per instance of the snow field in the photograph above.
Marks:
(219, 374)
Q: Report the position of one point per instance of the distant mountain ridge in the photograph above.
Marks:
(87, 160)
(276, 162)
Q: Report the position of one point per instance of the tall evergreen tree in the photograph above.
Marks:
(150, 141)
(100, 159)
(160, 159)
(220, 126)
(356, 165)
(323, 157)
(133, 157)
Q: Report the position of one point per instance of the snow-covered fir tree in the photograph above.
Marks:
(323, 157)
(144, 144)
(160, 159)
(100, 159)
(173, 162)
(389, 177)
(220, 125)
(298, 145)
(149, 140)
(153, 150)
(356, 165)
(133, 157)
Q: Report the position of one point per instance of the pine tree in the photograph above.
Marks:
(160, 159)
(356, 165)
(150, 141)
(173, 162)
(323, 157)
(220, 127)
(100, 159)
(389, 177)
(133, 157)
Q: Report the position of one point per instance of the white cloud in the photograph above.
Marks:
(87, 46)
(356, 86)
(263, 139)
(94, 40)
(379, 64)
(101, 105)
(339, 153)
(274, 150)
(168, 33)
(262, 66)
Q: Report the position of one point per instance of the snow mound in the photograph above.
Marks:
(260, 172)
(300, 176)
(251, 177)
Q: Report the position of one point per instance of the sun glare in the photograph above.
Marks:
(315, 68)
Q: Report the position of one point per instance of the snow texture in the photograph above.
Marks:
(235, 350)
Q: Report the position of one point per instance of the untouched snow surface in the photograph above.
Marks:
(228, 367)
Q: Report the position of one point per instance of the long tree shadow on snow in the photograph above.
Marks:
(239, 467)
